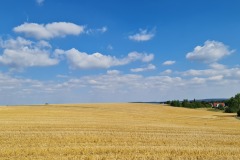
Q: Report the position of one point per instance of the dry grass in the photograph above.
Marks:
(117, 131)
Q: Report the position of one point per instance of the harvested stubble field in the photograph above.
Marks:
(117, 131)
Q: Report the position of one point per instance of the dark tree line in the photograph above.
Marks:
(189, 104)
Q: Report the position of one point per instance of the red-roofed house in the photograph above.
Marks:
(217, 104)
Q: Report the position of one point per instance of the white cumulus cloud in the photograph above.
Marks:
(216, 78)
(50, 30)
(166, 72)
(113, 72)
(217, 66)
(143, 35)
(211, 51)
(168, 63)
(144, 57)
(230, 73)
(82, 60)
(149, 67)
(22, 53)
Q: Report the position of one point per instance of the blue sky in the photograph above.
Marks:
(87, 51)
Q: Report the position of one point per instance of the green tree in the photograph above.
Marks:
(237, 97)
(220, 106)
(238, 113)
(176, 103)
(185, 103)
(233, 104)
(197, 104)
(168, 102)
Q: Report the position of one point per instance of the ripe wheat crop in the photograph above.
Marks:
(117, 131)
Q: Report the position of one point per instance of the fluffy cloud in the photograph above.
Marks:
(113, 72)
(216, 78)
(22, 53)
(143, 35)
(166, 72)
(193, 72)
(211, 51)
(149, 67)
(230, 73)
(168, 63)
(50, 30)
(197, 81)
(15, 43)
(82, 60)
(217, 66)
(144, 57)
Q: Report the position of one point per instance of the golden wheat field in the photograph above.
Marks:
(117, 131)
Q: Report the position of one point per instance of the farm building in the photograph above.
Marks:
(217, 104)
